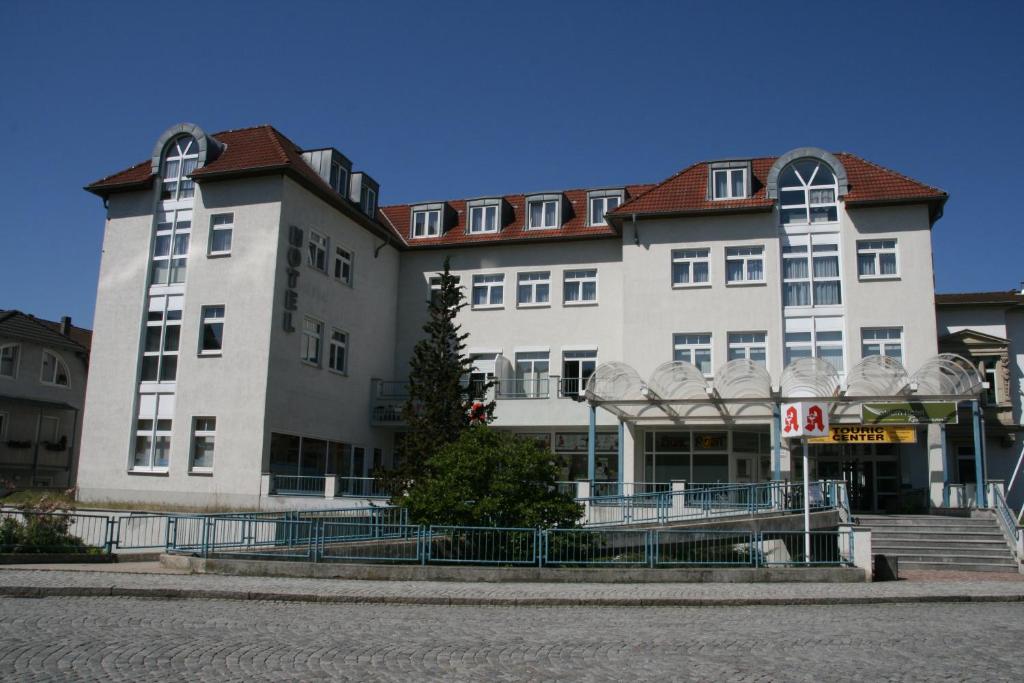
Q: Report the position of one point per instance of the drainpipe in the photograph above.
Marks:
(636, 233)
(35, 442)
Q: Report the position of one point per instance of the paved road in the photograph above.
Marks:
(145, 639)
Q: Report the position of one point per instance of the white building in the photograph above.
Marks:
(256, 311)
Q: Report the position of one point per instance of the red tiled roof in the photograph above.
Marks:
(686, 191)
(574, 222)
(1012, 296)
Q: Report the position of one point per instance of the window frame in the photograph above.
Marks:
(178, 231)
(808, 186)
(187, 161)
(733, 343)
(865, 249)
(745, 260)
(531, 285)
(58, 361)
(568, 278)
(215, 228)
(603, 196)
(681, 257)
(489, 285)
(338, 182)
(53, 435)
(580, 357)
(319, 242)
(826, 246)
(206, 434)
(883, 343)
(543, 201)
(15, 363)
(165, 321)
(319, 337)
(344, 345)
(427, 233)
(207, 317)
(681, 347)
(483, 208)
(154, 433)
(729, 171)
(344, 260)
(814, 344)
(988, 368)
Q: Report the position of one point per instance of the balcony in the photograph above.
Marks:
(324, 486)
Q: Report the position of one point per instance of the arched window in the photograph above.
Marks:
(807, 193)
(180, 159)
(55, 370)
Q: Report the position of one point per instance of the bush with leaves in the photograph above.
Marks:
(491, 478)
(43, 528)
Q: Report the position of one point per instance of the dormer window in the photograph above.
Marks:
(807, 193)
(729, 180)
(369, 201)
(483, 219)
(180, 159)
(543, 212)
(601, 202)
(339, 178)
(426, 223)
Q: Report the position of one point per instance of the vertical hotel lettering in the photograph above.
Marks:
(294, 260)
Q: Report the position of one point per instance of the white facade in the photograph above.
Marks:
(611, 295)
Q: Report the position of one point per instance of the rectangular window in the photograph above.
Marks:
(989, 369)
(488, 291)
(338, 356)
(435, 287)
(691, 267)
(162, 337)
(204, 433)
(811, 277)
(749, 345)
(9, 360)
(170, 248)
(815, 338)
(317, 255)
(49, 428)
(744, 264)
(152, 449)
(580, 287)
(532, 376)
(535, 289)
(695, 349)
(339, 178)
(882, 341)
(221, 227)
(730, 183)
(543, 214)
(371, 202)
(483, 219)
(343, 265)
(211, 341)
(876, 259)
(426, 223)
(577, 367)
(312, 340)
(599, 206)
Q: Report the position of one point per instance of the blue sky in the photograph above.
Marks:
(446, 99)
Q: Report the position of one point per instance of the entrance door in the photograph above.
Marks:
(744, 469)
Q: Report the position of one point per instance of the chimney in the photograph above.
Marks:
(65, 325)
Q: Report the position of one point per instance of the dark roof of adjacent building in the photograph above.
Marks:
(17, 325)
(686, 192)
(1011, 297)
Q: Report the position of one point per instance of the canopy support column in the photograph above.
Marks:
(776, 442)
(622, 460)
(979, 450)
(945, 466)
(592, 444)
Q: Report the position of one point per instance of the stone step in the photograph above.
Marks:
(942, 551)
(928, 522)
(959, 566)
(937, 534)
(954, 559)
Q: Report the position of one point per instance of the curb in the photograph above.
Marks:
(199, 594)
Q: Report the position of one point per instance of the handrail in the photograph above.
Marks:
(1007, 522)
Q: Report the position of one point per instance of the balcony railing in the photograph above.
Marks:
(360, 487)
(523, 388)
(295, 485)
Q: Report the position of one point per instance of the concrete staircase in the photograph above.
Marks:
(973, 543)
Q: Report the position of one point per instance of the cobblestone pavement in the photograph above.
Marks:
(131, 639)
(412, 591)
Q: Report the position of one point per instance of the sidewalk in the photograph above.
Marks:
(150, 579)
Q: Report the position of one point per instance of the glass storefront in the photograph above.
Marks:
(571, 451)
(706, 456)
(871, 472)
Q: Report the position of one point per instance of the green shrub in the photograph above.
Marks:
(39, 533)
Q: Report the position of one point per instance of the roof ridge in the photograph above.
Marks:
(242, 130)
(889, 170)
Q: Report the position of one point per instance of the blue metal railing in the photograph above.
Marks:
(789, 548)
(1005, 516)
(482, 545)
(594, 548)
(360, 487)
(699, 548)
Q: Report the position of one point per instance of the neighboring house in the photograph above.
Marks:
(43, 371)
(988, 329)
(256, 311)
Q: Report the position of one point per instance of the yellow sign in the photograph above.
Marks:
(867, 434)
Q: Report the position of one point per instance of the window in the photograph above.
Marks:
(729, 183)
(152, 444)
(212, 325)
(811, 276)
(317, 254)
(54, 370)
(600, 204)
(744, 264)
(543, 214)
(339, 178)
(161, 339)
(371, 202)
(435, 288)
(483, 219)
(989, 367)
(577, 367)
(343, 265)
(694, 349)
(180, 159)
(204, 432)
(170, 248)
(882, 341)
(49, 428)
(876, 259)
(580, 287)
(9, 360)
(337, 359)
(817, 338)
(312, 340)
(749, 345)
(691, 267)
(532, 375)
(807, 193)
(488, 291)
(535, 289)
(426, 223)
(221, 225)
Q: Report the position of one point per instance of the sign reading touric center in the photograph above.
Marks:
(908, 413)
(867, 434)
